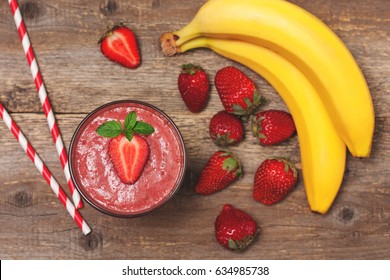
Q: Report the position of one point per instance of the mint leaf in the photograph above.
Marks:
(110, 129)
(128, 134)
(130, 121)
(143, 128)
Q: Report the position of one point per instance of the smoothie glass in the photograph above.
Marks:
(95, 176)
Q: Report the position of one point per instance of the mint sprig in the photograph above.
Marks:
(112, 129)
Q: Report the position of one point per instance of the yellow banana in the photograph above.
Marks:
(323, 153)
(305, 41)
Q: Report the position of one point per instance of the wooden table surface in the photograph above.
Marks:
(64, 34)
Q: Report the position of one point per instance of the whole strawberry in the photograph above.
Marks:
(272, 126)
(237, 91)
(221, 169)
(226, 129)
(235, 229)
(194, 87)
(119, 44)
(274, 179)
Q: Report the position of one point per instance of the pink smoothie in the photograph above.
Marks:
(96, 177)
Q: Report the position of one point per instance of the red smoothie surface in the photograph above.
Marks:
(97, 179)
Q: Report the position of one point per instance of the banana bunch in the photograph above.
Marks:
(311, 69)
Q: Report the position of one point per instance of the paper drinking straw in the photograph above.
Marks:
(42, 168)
(36, 74)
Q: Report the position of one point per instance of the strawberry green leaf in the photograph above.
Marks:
(251, 105)
(190, 68)
(239, 245)
(232, 244)
(257, 128)
(143, 128)
(248, 102)
(238, 110)
(110, 129)
(258, 99)
(224, 139)
(130, 121)
(287, 165)
(230, 164)
(262, 136)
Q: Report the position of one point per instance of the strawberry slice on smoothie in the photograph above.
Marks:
(129, 157)
(128, 150)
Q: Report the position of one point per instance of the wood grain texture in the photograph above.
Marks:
(64, 34)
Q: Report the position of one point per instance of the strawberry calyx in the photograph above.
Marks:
(190, 68)
(257, 128)
(239, 245)
(288, 165)
(114, 128)
(251, 105)
(231, 163)
(224, 139)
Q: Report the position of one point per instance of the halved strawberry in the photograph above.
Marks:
(119, 44)
(129, 157)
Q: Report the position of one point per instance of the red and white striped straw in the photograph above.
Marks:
(44, 170)
(36, 74)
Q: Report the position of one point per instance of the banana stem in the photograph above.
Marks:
(168, 44)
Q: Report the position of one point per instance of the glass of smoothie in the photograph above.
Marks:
(96, 178)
